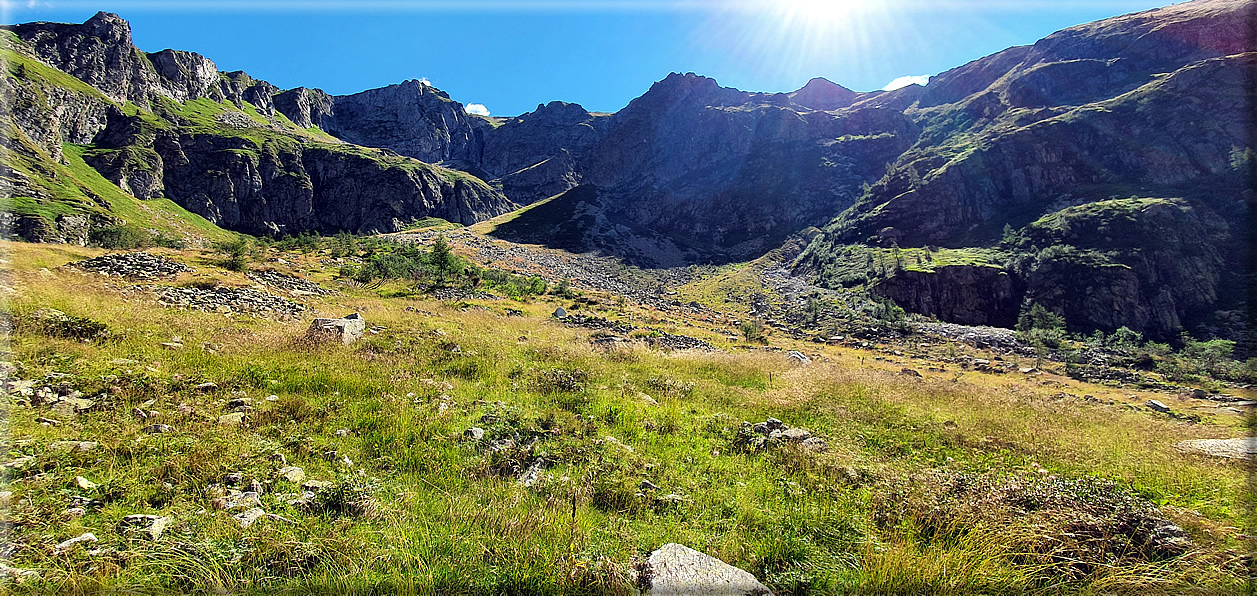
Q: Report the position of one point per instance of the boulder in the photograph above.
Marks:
(1241, 448)
(346, 330)
(677, 569)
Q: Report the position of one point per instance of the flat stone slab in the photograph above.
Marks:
(675, 570)
(1241, 448)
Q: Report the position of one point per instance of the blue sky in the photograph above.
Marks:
(510, 55)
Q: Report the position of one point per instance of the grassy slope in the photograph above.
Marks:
(446, 523)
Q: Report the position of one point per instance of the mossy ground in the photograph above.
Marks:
(452, 518)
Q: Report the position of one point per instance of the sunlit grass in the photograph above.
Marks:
(452, 519)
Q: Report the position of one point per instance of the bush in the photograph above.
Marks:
(753, 331)
(236, 253)
(119, 238)
(557, 380)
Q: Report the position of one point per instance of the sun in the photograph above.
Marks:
(805, 11)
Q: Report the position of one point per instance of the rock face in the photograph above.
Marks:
(676, 570)
(965, 294)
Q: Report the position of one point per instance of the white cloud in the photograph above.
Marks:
(425, 82)
(477, 109)
(905, 81)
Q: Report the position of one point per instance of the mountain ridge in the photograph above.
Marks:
(693, 172)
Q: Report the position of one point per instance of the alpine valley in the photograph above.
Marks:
(990, 334)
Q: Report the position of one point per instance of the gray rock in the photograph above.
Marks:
(346, 330)
(798, 357)
(1240, 448)
(84, 483)
(1158, 406)
(291, 474)
(678, 570)
(159, 428)
(247, 518)
(560, 313)
(474, 433)
(236, 499)
(235, 419)
(69, 544)
(151, 525)
(816, 444)
(204, 387)
(76, 446)
(795, 435)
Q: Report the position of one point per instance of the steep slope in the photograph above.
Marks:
(169, 124)
(706, 173)
(1149, 105)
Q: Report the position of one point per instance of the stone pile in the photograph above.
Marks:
(668, 341)
(228, 300)
(292, 284)
(980, 337)
(761, 436)
(134, 264)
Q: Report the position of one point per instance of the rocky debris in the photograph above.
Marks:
(474, 433)
(1106, 375)
(596, 323)
(979, 336)
(135, 264)
(159, 428)
(798, 358)
(227, 300)
(908, 372)
(150, 525)
(346, 330)
(668, 341)
(236, 499)
(676, 570)
(761, 436)
(289, 283)
(65, 546)
(1241, 448)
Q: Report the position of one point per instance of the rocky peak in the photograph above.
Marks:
(108, 27)
(689, 89)
(822, 94)
(557, 112)
(305, 107)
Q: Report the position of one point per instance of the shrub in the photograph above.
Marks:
(558, 380)
(753, 331)
(236, 253)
